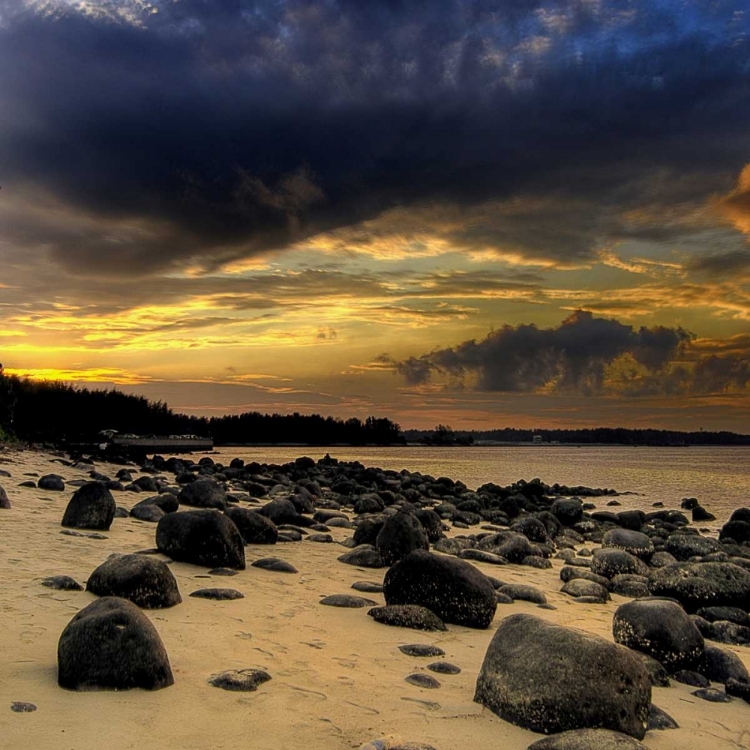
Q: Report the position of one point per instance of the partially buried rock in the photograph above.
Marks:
(549, 678)
(421, 649)
(578, 587)
(659, 719)
(368, 587)
(112, 645)
(204, 493)
(4, 501)
(422, 680)
(407, 616)
(91, 507)
(721, 665)
(444, 667)
(611, 562)
(22, 707)
(243, 680)
(218, 594)
(346, 601)
(400, 535)
(222, 572)
(62, 583)
(588, 739)
(523, 592)
(364, 556)
(453, 589)
(659, 628)
(143, 580)
(275, 564)
(633, 542)
(712, 695)
(201, 537)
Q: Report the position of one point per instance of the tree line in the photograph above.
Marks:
(55, 412)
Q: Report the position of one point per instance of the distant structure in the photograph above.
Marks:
(537, 439)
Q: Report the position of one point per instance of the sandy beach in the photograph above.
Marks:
(337, 675)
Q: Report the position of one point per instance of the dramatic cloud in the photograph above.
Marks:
(573, 356)
(192, 132)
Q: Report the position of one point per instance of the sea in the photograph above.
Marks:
(719, 477)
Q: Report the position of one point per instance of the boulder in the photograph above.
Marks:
(721, 665)
(634, 542)
(4, 501)
(91, 507)
(52, 482)
(684, 546)
(612, 562)
(112, 645)
(431, 523)
(631, 520)
(203, 493)
(549, 678)
(454, 590)
(661, 629)
(737, 530)
(588, 739)
(143, 580)
(407, 616)
(567, 511)
(577, 587)
(201, 537)
(400, 535)
(511, 545)
(696, 585)
(282, 511)
(253, 527)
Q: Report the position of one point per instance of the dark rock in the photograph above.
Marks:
(367, 531)
(444, 667)
(568, 573)
(422, 680)
(632, 520)
(532, 528)
(567, 511)
(347, 601)
(738, 689)
(588, 739)
(634, 542)
(320, 538)
(4, 501)
(548, 678)
(421, 649)
(368, 587)
(52, 482)
(684, 546)
(400, 535)
(696, 585)
(533, 561)
(731, 614)
(22, 707)
(480, 555)
(111, 644)
(512, 546)
(612, 562)
(659, 719)
(147, 484)
(629, 584)
(523, 592)
(730, 632)
(688, 677)
(661, 629)
(737, 530)
(244, 680)
(91, 507)
(656, 671)
(149, 512)
(218, 594)
(222, 572)
(166, 502)
(721, 665)
(145, 581)
(407, 616)
(62, 583)
(282, 511)
(275, 564)
(661, 559)
(699, 513)
(712, 695)
(454, 590)
(253, 527)
(201, 537)
(364, 556)
(431, 523)
(578, 587)
(203, 493)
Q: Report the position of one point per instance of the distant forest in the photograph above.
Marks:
(54, 412)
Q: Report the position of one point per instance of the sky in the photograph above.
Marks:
(481, 214)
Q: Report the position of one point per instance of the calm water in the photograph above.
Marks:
(718, 477)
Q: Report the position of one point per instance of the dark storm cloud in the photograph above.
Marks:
(233, 127)
(571, 357)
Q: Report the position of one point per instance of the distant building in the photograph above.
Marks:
(537, 439)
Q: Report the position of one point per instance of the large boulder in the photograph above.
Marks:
(737, 530)
(400, 535)
(91, 507)
(143, 580)
(454, 590)
(662, 629)
(282, 511)
(721, 665)
(511, 545)
(549, 678)
(696, 585)
(111, 644)
(201, 537)
(568, 511)
(4, 501)
(254, 528)
(633, 542)
(203, 493)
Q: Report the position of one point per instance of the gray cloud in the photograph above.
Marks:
(231, 128)
(570, 357)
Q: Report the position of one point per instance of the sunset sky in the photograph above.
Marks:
(485, 214)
